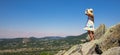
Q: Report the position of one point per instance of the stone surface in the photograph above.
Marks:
(112, 51)
(111, 38)
(82, 49)
(100, 31)
(108, 41)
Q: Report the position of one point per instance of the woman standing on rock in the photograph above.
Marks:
(90, 23)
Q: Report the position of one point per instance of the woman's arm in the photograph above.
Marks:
(89, 12)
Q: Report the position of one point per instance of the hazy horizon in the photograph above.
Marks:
(39, 18)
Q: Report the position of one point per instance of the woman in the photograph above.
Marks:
(90, 23)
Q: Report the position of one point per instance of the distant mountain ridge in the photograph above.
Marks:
(42, 45)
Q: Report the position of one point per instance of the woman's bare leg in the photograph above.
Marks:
(91, 35)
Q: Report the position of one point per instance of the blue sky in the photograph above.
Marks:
(39, 18)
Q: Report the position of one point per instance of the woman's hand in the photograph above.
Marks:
(89, 12)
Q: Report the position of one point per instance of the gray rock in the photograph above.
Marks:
(83, 49)
(111, 38)
(112, 51)
(108, 41)
(100, 31)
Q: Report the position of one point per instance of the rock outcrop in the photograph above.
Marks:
(112, 51)
(79, 49)
(106, 41)
(100, 31)
(111, 38)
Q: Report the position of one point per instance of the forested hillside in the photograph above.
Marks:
(38, 46)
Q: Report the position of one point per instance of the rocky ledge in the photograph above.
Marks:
(107, 42)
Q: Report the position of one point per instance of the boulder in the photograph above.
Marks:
(82, 49)
(111, 38)
(106, 41)
(100, 31)
(112, 51)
